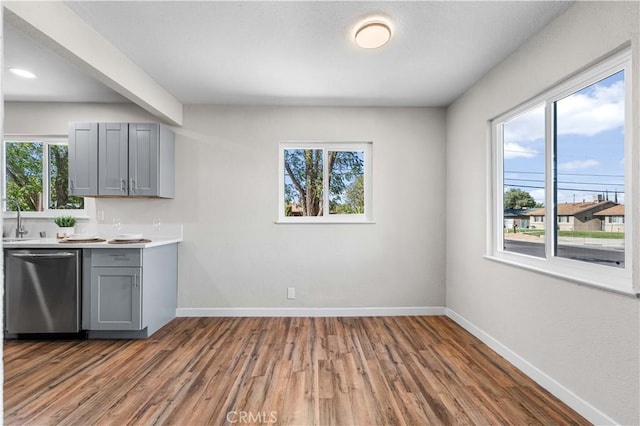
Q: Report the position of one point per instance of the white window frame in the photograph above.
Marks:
(366, 217)
(620, 280)
(46, 212)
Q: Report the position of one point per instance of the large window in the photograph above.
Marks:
(566, 155)
(36, 176)
(325, 182)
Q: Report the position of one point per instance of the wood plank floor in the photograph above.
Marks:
(285, 371)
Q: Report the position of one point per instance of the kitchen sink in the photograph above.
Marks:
(15, 239)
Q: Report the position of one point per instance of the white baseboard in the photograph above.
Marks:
(565, 395)
(310, 312)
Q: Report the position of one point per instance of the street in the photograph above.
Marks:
(610, 256)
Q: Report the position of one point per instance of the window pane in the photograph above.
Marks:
(589, 173)
(523, 183)
(24, 175)
(346, 182)
(303, 182)
(59, 180)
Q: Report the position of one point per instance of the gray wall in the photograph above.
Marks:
(585, 339)
(235, 256)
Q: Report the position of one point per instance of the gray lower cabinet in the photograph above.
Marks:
(129, 293)
(121, 159)
(116, 298)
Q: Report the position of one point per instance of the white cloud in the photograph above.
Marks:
(526, 127)
(587, 114)
(514, 150)
(538, 195)
(578, 165)
(599, 109)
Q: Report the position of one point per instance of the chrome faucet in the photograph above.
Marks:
(20, 231)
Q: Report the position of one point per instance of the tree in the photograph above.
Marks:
(353, 202)
(24, 174)
(25, 177)
(304, 169)
(59, 179)
(304, 174)
(346, 183)
(516, 198)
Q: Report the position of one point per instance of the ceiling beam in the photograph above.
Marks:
(60, 29)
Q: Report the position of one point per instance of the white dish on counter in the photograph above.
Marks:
(81, 237)
(128, 237)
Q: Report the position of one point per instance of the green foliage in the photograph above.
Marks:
(579, 234)
(25, 180)
(24, 174)
(516, 198)
(591, 234)
(65, 221)
(351, 201)
(346, 187)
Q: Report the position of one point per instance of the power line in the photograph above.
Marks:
(566, 181)
(565, 174)
(598, 191)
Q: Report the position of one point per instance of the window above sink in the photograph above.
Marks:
(36, 176)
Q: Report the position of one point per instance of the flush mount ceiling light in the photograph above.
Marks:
(372, 34)
(22, 73)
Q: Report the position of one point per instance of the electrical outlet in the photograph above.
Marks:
(291, 293)
(100, 215)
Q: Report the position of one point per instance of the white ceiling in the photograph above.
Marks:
(287, 53)
(58, 80)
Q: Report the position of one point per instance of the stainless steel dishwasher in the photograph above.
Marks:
(42, 290)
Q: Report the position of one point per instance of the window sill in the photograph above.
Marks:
(625, 289)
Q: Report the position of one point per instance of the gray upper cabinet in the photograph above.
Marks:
(131, 159)
(113, 154)
(83, 159)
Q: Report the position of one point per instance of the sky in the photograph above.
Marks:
(590, 145)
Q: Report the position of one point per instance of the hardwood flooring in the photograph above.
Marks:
(285, 371)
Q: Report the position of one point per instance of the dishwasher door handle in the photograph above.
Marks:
(43, 255)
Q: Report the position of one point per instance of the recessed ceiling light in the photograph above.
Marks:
(22, 73)
(372, 34)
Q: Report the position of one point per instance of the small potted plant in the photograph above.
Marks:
(66, 225)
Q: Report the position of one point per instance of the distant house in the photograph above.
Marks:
(294, 210)
(574, 216)
(612, 218)
(520, 217)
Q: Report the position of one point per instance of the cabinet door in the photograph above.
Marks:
(116, 298)
(113, 154)
(143, 159)
(83, 159)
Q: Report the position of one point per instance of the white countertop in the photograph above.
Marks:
(49, 243)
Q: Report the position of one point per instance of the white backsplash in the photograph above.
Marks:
(148, 230)
(35, 226)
